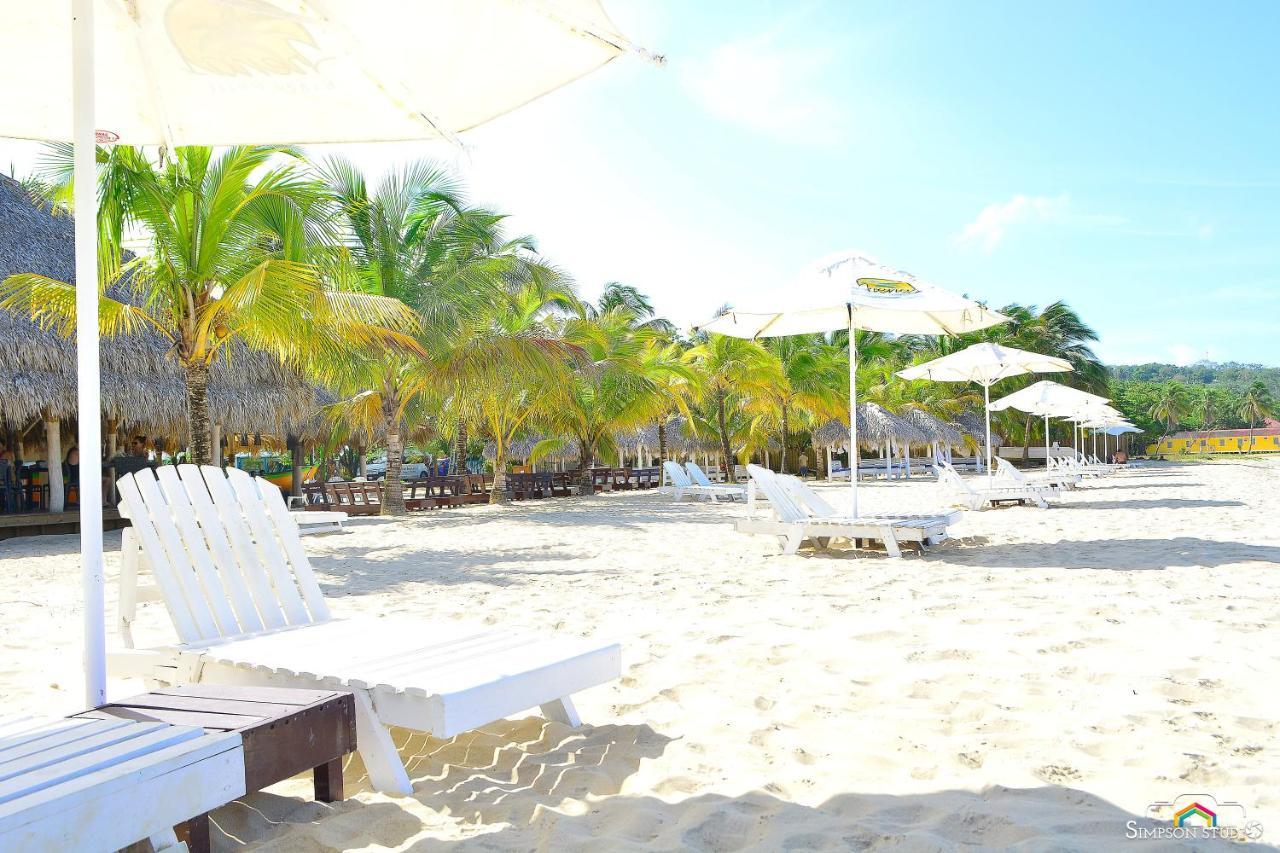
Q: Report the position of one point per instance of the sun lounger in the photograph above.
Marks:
(800, 515)
(981, 497)
(1006, 473)
(90, 785)
(682, 486)
(699, 478)
(247, 610)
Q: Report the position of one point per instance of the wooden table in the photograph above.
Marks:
(285, 732)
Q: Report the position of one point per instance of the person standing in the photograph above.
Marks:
(804, 465)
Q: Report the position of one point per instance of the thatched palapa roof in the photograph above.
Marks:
(876, 425)
(933, 428)
(142, 386)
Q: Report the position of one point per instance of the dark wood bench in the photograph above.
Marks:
(355, 498)
(285, 732)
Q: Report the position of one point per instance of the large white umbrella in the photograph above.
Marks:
(1047, 399)
(985, 363)
(208, 72)
(850, 290)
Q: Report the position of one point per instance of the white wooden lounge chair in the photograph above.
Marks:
(700, 478)
(981, 497)
(800, 516)
(682, 486)
(1006, 473)
(81, 784)
(248, 610)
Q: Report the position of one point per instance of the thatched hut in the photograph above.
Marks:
(142, 385)
(936, 430)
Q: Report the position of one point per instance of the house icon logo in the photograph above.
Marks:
(1194, 814)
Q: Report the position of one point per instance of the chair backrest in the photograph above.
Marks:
(951, 478)
(225, 552)
(809, 500)
(1006, 471)
(677, 475)
(780, 498)
(698, 476)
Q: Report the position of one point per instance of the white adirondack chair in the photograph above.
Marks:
(86, 785)
(247, 610)
(981, 497)
(1006, 473)
(699, 478)
(682, 486)
(800, 515)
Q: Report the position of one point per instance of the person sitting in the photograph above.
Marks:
(71, 476)
(135, 460)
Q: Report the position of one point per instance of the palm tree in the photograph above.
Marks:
(813, 384)
(1256, 405)
(620, 386)
(729, 368)
(412, 239)
(1170, 405)
(232, 257)
(502, 366)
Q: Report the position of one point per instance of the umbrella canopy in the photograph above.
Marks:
(850, 290)
(183, 72)
(1047, 399)
(221, 72)
(985, 363)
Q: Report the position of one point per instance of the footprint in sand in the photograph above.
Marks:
(1058, 774)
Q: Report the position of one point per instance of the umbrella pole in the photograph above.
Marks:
(87, 371)
(853, 418)
(986, 410)
(1046, 442)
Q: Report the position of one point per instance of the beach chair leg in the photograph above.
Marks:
(823, 542)
(890, 542)
(791, 542)
(193, 834)
(1041, 502)
(386, 770)
(327, 782)
(562, 711)
(127, 606)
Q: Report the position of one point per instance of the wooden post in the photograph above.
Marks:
(113, 430)
(829, 476)
(216, 447)
(298, 453)
(53, 453)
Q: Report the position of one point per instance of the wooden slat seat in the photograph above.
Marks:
(83, 784)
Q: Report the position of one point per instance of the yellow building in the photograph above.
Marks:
(1265, 440)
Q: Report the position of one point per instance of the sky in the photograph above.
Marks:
(1122, 157)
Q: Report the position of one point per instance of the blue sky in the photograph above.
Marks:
(1121, 156)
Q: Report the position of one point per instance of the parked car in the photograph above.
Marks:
(376, 469)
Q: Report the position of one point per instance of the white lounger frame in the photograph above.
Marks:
(800, 515)
(682, 485)
(981, 497)
(247, 609)
(84, 785)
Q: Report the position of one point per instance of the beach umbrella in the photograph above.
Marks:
(216, 72)
(850, 290)
(1047, 399)
(985, 363)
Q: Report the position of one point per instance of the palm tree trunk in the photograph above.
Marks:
(1248, 447)
(721, 423)
(662, 442)
(393, 487)
(197, 386)
(1026, 439)
(458, 453)
(498, 495)
(587, 453)
(785, 436)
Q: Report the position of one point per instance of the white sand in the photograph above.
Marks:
(1036, 683)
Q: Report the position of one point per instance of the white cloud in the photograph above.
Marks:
(988, 229)
(767, 86)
